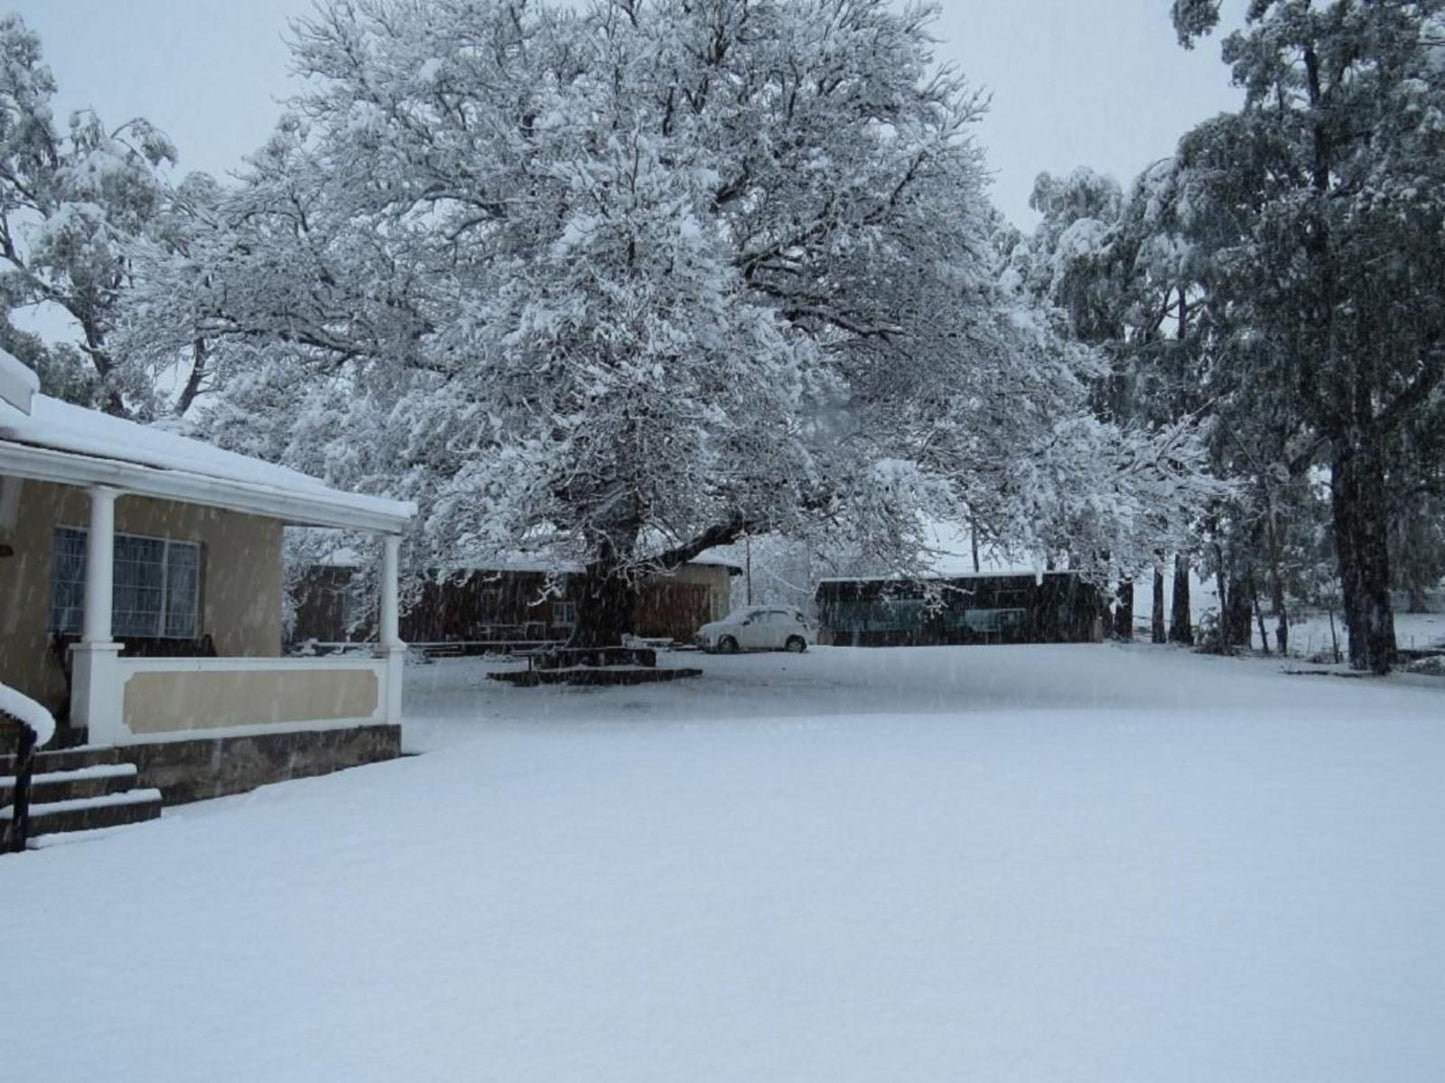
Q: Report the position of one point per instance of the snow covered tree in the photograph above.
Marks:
(623, 284)
(1322, 206)
(1114, 264)
(72, 200)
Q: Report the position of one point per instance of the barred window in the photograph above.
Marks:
(156, 589)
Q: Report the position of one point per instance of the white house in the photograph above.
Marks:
(141, 582)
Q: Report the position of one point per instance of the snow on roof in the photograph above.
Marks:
(18, 385)
(509, 563)
(59, 425)
(936, 577)
(714, 559)
(188, 469)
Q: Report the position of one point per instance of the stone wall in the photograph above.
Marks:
(213, 767)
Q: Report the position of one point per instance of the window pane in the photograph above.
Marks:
(139, 583)
(182, 581)
(150, 574)
(67, 581)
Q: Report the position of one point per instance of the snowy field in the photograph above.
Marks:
(1031, 864)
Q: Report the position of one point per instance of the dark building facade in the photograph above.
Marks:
(487, 607)
(1057, 607)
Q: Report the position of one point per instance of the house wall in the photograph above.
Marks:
(715, 577)
(240, 593)
(499, 606)
(675, 606)
(481, 606)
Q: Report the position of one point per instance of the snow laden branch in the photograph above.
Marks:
(74, 200)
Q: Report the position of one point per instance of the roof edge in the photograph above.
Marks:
(327, 508)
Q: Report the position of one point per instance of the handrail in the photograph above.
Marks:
(36, 726)
(19, 829)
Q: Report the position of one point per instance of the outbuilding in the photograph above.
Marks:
(1050, 607)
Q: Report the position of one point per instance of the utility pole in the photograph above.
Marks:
(748, 551)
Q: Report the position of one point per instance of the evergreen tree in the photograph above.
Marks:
(1321, 205)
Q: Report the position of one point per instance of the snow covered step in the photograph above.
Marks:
(94, 781)
(86, 813)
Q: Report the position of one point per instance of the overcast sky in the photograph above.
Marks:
(1074, 82)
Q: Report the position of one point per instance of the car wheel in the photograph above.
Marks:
(795, 645)
(727, 645)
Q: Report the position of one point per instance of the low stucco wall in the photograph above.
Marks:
(240, 590)
(171, 701)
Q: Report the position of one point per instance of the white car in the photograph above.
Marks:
(758, 628)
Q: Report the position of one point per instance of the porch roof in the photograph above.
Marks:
(58, 442)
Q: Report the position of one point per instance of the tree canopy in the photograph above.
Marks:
(621, 284)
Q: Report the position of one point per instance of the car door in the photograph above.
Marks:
(751, 630)
(774, 630)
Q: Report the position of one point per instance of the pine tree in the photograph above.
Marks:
(1321, 203)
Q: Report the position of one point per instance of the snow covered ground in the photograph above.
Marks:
(1032, 863)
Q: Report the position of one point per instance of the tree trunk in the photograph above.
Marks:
(1276, 587)
(1259, 614)
(1181, 625)
(1362, 548)
(1157, 632)
(606, 605)
(1281, 614)
(1237, 614)
(1124, 612)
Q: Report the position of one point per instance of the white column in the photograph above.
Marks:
(389, 644)
(96, 689)
(99, 567)
(390, 631)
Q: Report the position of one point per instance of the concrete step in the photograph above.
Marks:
(87, 813)
(95, 781)
(69, 759)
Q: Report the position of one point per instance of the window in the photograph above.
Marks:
(156, 589)
(564, 612)
(993, 620)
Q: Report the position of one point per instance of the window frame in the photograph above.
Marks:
(163, 609)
